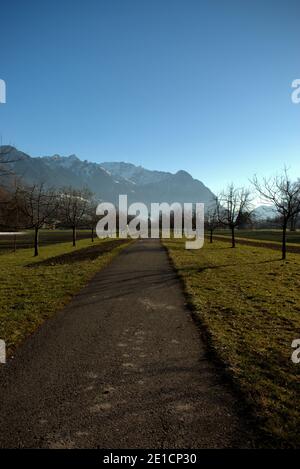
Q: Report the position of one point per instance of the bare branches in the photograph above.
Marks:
(38, 206)
(212, 219)
(91, 217)
(74, 204)
(232, 206)
(284, 195)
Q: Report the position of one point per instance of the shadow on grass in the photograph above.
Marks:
(215, 267)
(258, 244)
(80, 255)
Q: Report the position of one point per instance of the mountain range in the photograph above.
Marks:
(109, 179)
(264, 212)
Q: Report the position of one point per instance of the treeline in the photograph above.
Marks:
(36, 207)
(232, 208)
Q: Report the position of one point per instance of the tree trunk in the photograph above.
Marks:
(232, 237)
(15, 243)
(92, 234)
(74, 236)
(36, 241)
(211, 236)
(284, 241)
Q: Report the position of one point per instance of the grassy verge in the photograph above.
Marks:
(248, 301)
(31, 290)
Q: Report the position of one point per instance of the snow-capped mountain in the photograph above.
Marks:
(136, 174)
(108, 180)
(264, 212)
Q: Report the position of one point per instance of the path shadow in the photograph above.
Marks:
(215, 267)
(80, 255)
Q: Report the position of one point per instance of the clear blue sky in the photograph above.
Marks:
(169, 84)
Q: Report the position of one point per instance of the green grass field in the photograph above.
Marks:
(47, 237)
(33, 289)
(263, 235)
(248, 302)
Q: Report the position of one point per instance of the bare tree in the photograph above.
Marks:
(92, 218)
(284, 195)
(74, 203)
(212, 220)
(11, 216)
(232, 206)
(5, 198)
(38, 206)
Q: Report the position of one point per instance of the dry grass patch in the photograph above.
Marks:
(249, 302)
(33, 289)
